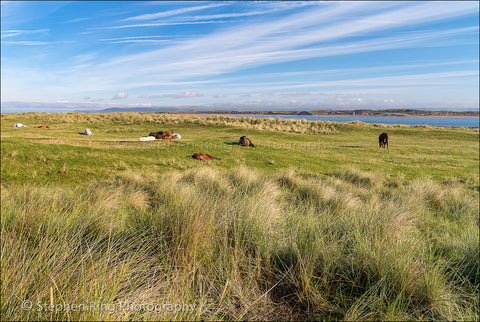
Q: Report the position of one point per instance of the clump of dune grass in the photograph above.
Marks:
(358, 178)
(240, 244)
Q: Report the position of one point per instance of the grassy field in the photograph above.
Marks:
(315, 222)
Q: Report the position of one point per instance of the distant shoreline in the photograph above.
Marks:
(193, 110)
(343, 113)
(319, 115)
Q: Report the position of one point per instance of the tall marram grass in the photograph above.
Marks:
(268, 124)
(243, 245)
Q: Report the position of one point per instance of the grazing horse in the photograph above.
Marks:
(244, 141)
(383, 140)
(203, 156)
(162, 135)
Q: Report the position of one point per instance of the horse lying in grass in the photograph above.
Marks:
(383, 140)
(162, 135)
(244, 141)
(203, 156)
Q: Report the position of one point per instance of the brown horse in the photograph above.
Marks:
(383, 140)
(244, 141)
(203, 156)
(162, 135)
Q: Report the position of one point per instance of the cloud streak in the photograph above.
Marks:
(169, 13)
(160, 24)
(186, 94)
(14, 33)
(121, 95)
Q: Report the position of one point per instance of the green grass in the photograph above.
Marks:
(315, 222)
(61, 154)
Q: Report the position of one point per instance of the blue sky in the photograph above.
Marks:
(83, 55)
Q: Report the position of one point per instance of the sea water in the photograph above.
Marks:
(456, 121)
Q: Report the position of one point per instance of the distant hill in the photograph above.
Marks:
(125, 109)
(145, 109)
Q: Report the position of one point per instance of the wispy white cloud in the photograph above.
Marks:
(261, 8)
(13, 33)
(35, 42)
(83, 58)
(121, 95)
(77, 20)
(136, 37)
(174, 12)
(159, 24)
(350, 71)
(410, 80)
(266, 8)
(231, 15)
(140, 41)
(27, 43)
(371, 84)
(184, 95)
(290, 94)
(94, 99)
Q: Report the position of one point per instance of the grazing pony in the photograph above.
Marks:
(383, 140)
(244, 141)
(203, 156)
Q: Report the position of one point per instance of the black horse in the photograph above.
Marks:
(244, 141)
(383, 140)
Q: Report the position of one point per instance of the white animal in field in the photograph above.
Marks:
(176, 136)
(87, 132)
(19, 125)
(147, 138)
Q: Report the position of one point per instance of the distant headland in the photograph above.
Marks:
(192, 110)
(363, 112)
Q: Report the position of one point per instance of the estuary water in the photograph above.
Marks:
(408, 120)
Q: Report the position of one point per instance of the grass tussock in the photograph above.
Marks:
(239, 244)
